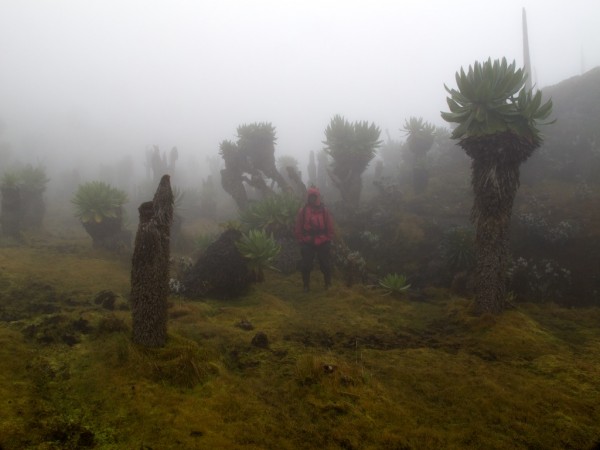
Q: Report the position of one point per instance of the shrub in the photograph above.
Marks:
(95, 201)
(260, 250)
(275, 215)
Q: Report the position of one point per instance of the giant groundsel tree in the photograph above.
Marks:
(420, 140)
(351, 146)
(251, 161)
(498, 120)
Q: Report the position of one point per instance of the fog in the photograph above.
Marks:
(91, 82)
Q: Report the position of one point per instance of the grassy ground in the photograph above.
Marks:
(346, 368)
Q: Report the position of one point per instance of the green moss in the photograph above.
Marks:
(345, 368)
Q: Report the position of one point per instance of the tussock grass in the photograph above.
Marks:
(344, 368)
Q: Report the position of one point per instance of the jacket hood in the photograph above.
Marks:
(314, 191)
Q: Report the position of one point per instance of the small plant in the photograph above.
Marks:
(539, 279)
(202, 241)
(369, 239)
(260, 250)
(96, 201)
(394, 283)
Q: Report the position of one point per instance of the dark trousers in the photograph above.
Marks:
(308, 252)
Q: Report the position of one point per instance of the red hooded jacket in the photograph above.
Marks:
(314, 223)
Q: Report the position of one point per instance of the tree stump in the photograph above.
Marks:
(150, 268)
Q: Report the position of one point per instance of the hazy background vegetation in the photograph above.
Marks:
(91, 85)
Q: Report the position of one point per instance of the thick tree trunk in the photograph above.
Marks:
(33, 208)
(232, 184)
(495, 172)
(491, 242)
(495, 186)
(350, 187)
(11, 217)
(150, 268)
(420, 179)
(108, 234)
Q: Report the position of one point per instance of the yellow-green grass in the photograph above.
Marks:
(345, 367)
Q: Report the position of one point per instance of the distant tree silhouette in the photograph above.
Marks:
(351, 146)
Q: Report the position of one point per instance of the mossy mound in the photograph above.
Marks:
(221, 271)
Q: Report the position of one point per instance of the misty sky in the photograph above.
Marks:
(99, 79)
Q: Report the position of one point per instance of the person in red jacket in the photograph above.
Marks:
(314, 232)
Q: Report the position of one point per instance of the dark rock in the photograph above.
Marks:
(221, 271)
(260, 340)
(70, 339)
(81, 325)
(106, 298)
(86, 439)
(245, 324)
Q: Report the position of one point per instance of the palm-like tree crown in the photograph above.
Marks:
(420, 134)
(352, 146)
(95, 201)
(230, 153)
(34, 179)
(257, 139)
(487, 103)
(28, 178)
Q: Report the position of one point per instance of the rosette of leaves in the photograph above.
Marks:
(27, 178)
(491, 98)
(421, 134)
(394, 284)
(260, 249)
(351, 146)
(275, 215)
(457, 249)
(97, 201)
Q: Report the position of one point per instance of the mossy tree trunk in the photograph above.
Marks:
(150, 268)
(232, 183)
(107, 234)
(495, 181)
(419, 145)
(350, 187)
(33, 208)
